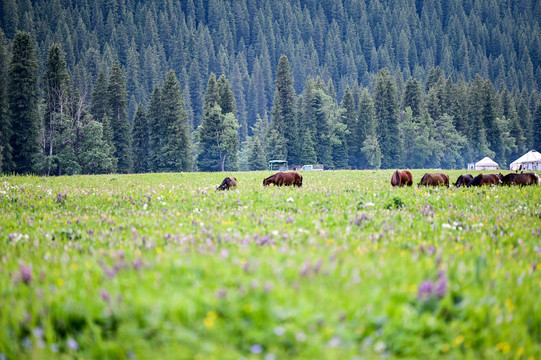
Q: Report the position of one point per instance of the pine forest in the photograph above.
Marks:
(135, 86)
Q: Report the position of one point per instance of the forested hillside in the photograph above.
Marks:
(345, 83)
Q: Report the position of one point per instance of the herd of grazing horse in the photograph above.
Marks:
(404, 178)
(278, 179)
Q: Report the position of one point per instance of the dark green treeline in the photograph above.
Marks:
(465, 69)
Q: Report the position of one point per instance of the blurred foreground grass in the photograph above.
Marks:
(162, 266)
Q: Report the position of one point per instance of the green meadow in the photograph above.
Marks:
(346, 267)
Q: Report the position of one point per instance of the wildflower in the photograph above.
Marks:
(441, 285)
(105, 295)
(25, 274)
(256, 349)
(279, 331)
(289, 220)
(425, 290)
(72, 344)
(504, 347)
(221, 293)
(334, 342)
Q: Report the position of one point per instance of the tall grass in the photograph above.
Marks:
(163, 266)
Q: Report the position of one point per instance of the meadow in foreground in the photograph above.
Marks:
(162, 266)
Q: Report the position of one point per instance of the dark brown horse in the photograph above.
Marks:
(284, 179)
(463, 180)
(486, 179)
(228, 183)
(401, 178)
(434, 179)
(522, 179)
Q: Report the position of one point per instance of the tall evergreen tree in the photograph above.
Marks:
(177, 146)
(256, 156)
(117, 102)
(350, 119)
(226, 96)
(98, 107)
(157, 133)
(413, 97)
(23, 103)
(57, 102)
(283, 119)
(366, 134)
(386, 110)
(218, 134)
(140, 141)
(5, 123)
(537, 127)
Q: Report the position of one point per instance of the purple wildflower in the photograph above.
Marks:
(359, 220)
(289, 220)
(425, 290)
(221, 293)
(105, 295)
(72, 344)
(256, 349)
(441, 285)
(137, 264)
(25, 274)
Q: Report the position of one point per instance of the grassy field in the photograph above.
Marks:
(346, 267)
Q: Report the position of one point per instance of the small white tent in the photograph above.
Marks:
(486, 164)
(529, 161)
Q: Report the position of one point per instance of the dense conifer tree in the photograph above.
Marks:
(98, 107)
(386, 110)
(218, 134)
(22, 96)
(117, 102)
(140, 141)
(350, 119)
(366, 132)
(57, 108)
(283, 119)
(413, 97)
(536, 136)
(177, 149)
(5, 122)
(157, 134)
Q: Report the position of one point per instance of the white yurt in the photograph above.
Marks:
(529, 161)
(486, 164)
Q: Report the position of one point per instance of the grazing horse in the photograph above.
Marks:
(522, 179)
(463, 180)
(486, 179)
(401, 178)
(434, 179)
(284, 179)
(228, 183)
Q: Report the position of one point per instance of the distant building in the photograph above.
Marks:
(486, 164)
(529, 161)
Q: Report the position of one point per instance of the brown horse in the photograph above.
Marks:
(284, 179)
(486, 179)
(401, 178)
(434, 179)
(463, 180)
(522, 179)
(228, 183)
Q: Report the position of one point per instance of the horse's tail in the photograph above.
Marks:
(395, 179)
